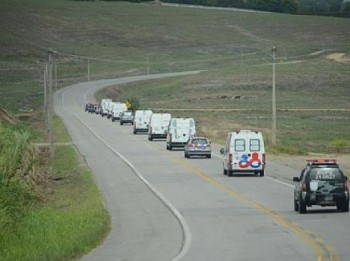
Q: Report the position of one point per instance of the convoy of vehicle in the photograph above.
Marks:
(321, 182)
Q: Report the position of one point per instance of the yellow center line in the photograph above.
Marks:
(322, 251)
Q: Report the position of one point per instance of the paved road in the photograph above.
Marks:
(166, 207)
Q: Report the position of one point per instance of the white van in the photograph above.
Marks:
(141, 120)
(180, 130)
(158, 125)
(104, 105)
(244, 152)
(110, 106)
(117, 110)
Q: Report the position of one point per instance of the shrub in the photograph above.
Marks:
(340, 145)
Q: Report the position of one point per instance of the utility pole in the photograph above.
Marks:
(147, 65)
(274, 96)
(56, 80)
(88, 68)
(50, 101)
(45, 97)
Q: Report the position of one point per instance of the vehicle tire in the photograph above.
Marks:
(121, 123)
(262, 173)
(296, 206)
(229, 172)
(134, 131)
(302, 206)
(112, 119)
(209, 156)
(345, 206)
(186, 156)
(170, 147)
(225, 172)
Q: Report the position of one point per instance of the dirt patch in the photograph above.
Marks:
(6, 117)
(339, 57)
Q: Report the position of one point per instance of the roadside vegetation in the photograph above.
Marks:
(310, 7)
(49, 209)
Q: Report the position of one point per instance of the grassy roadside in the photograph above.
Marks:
(68, 217)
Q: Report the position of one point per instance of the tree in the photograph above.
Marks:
(132, 104)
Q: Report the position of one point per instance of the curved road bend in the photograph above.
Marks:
(166, 207)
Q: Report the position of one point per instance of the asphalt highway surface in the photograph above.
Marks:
(166, 207)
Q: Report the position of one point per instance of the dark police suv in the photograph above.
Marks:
(322, 183)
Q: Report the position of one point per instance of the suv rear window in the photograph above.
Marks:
(325, 174)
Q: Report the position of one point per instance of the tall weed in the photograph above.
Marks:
(15, 163)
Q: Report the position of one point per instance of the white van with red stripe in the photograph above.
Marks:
(244, 152)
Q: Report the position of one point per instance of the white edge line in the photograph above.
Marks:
(187, 237)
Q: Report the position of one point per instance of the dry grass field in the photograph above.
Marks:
(112, 39)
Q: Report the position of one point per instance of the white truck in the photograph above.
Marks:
(244, 152)
(117, 110)
(158, 126)
(104, 105)
(180, 130)
(141, 120)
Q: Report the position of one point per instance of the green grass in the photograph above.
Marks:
(61, 215)
(60, 132)
(123, 38)
(69, 224)
(303, 122)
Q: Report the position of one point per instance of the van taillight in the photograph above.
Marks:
(230, 158)
(263, 158)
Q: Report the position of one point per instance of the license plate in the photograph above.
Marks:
(329, 197)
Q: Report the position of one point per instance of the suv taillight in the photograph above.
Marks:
(303, 187)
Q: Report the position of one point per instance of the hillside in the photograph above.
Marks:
(111, 39)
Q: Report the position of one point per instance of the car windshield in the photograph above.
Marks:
(325, 174)
(128, 113)
(199, 141)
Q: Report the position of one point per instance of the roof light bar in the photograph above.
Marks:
(321, 161)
